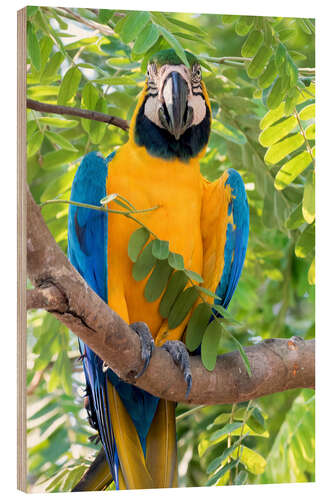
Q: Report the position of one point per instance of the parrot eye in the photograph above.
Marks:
(196, 74)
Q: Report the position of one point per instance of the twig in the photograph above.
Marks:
(82, 113)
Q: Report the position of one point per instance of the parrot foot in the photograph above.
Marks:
(147, 344)
(181, 358)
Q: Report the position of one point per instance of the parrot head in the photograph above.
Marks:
(173, 116)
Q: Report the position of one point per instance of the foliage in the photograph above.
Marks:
(263, 125)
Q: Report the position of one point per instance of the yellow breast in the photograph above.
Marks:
(176, 188)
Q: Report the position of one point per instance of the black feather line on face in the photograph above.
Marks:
(160, 143)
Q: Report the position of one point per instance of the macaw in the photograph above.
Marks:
(207, 223)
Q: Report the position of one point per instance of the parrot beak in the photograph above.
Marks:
(175, 114)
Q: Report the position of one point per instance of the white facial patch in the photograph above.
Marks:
(152, 106)
(153, 103)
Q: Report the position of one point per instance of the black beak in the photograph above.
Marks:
(175, 115)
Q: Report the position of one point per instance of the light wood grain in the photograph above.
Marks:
(21, 253)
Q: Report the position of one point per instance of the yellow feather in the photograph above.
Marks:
(161, 454)
(134, 472)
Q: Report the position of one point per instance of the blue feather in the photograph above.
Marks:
(236, 240)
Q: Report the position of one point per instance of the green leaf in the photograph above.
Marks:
(225, 313)
(259, 62)
(292, 456)
(308, 112)
(241, 478)
(69, 85)
(182, 306)
(97, 129)
(280, 55)
(252, 460)
(31, 11)
(227, 429)
(296, 218)
(175, 286)
(58, 122)
(144, 263)
(208, 292)
(34, 143)
(157, 280)
(273, 134)
(133, 24)
(305, 243)
(186, 26)
(197, 325)
(60, 140)
(222, 472)
(176, 261)
(160, 249)
(292, 72)
(104, 15)
(310, 132)
(277, 93)
(272, 116)
(292, 169)
(228, 132)
(242, 354)
(62, 157)
(136, 242)
(221, 458)
(269, 75)
(256, 421)
(116, 80)
(311, 273)
(147, 38)
(89, 98)
(210, 344)
(192, 275)
(308, 205)
(51, 68)
(33, 46)
(229, 19)
(281, 149)
(243, 25)
(173, 42)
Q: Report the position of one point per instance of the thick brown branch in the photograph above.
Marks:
(82, 113)
(47, 297)
(276, 364)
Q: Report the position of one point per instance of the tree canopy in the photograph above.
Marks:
(259, 73)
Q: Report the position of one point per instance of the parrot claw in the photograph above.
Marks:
(147, 344)
(181, 358)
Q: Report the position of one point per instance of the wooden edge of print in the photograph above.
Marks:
(21, 252)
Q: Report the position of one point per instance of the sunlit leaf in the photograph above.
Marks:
(281, 149)
(292, 169)
(308, 206)
(69, 85)
(33, 46)
(274, 133)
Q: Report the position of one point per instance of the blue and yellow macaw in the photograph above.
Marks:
(207, 223)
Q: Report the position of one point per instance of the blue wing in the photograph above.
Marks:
(236, 241)
(87, 251)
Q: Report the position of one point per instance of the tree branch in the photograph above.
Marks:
(276, 364)
(82, 113)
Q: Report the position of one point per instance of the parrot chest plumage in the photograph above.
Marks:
(176, 189)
